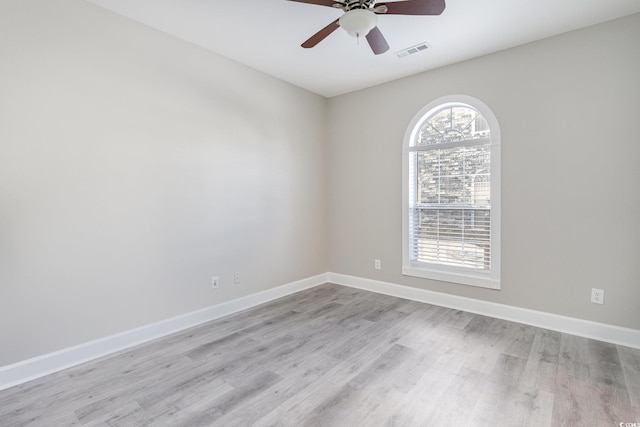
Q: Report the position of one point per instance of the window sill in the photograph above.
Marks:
(482, 281)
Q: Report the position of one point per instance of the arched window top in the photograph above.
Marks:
(452, 119)
(451, 122)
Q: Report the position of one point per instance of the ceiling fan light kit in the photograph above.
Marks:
(358, 22)
(360, 18)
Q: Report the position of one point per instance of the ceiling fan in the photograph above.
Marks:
(360, 18)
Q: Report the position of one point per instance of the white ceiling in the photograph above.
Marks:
(266, 34)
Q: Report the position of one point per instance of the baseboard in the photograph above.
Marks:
(39, 366)
(584, 328)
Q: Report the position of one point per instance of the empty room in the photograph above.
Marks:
(319, 213)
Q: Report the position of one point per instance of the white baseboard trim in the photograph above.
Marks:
(39, 366)
(584, 328)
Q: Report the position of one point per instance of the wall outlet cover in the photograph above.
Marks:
(597, 296)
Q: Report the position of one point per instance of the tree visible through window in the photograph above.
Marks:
(448, 220)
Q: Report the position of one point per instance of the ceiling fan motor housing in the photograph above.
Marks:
(356, 4)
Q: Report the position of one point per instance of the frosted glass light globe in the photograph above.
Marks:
(358, 22)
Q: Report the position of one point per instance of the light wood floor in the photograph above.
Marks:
(336, 356)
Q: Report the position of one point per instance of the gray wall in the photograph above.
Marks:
(133, 167)
(569, 111)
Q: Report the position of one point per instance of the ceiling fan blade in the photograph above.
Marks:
(414, 7)
(377, 41)
(329, 3)
(321, 35)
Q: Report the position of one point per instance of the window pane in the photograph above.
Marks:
(451, 124)
(477, 159)
(452, 161)
(457, 175)
(433, 131)
(481, 190)
(428, 181)
(453, 190)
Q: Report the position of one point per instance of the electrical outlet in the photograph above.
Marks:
(377, 264)
(236, 278)
(215, 282)
(597, 296)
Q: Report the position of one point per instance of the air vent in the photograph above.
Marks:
(413, 49)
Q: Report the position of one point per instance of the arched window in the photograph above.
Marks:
(451, 193)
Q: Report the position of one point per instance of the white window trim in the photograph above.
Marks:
(490, 279)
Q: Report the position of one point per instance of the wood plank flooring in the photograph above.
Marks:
(336, 356)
